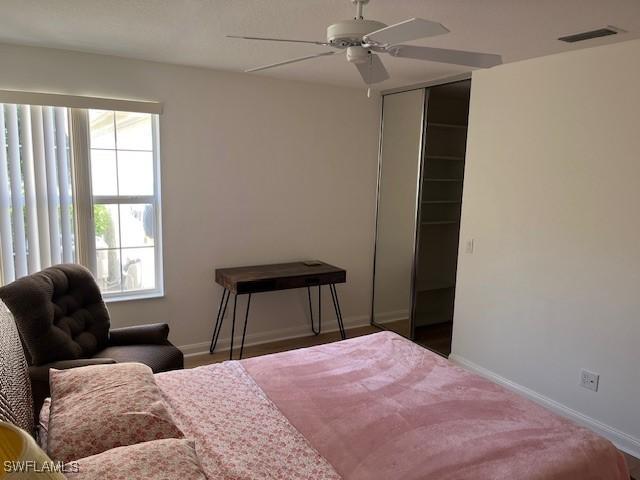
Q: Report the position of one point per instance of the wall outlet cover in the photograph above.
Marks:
(589, 380)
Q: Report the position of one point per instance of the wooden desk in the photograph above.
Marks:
(270, 278)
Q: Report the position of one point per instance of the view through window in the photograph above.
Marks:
(123, 181)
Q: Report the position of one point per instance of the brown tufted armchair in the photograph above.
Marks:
(64, 323)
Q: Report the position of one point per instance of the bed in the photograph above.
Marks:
(372, 407)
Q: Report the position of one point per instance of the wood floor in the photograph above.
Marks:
(275, 347)
(436, 338)
(432, 338)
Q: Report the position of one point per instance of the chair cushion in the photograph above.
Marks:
(100, 407)
(160, 358)
(59, 313)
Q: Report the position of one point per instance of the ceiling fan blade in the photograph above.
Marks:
(406, 31)
(443, 55)
(287, 62)
(372, 71)
(279, 40)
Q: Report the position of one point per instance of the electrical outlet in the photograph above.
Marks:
(589, 380)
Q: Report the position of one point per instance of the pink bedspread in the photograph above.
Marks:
(381, 407)
(375, 408)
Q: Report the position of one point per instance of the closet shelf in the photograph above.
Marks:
(440, 222)
(446, 157)
(442, 179)
(434, 287)
(446, 125)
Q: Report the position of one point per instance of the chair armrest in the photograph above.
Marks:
(151, 334)
(40, 373)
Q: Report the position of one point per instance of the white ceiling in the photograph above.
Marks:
(191, 32)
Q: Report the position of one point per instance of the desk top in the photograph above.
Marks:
(279, 276)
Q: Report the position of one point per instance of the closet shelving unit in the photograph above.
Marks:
(440, 205)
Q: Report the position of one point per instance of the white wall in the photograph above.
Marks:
(254, 170)
(552, 199)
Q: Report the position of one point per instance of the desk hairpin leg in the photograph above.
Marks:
(244, 331)
(336, 306)
(222, 309)
(233, 325)
(313, 327)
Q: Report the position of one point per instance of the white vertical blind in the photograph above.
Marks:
(29, 180)
(52, 185)
(17, 197)
(36, 218)
(82, 194)
(64, 185)
(6, 234)
(37, 132)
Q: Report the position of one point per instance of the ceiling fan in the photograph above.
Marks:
(363, 39)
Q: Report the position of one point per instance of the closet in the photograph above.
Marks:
(420, 182)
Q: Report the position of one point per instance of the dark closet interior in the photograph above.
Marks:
(445, 140)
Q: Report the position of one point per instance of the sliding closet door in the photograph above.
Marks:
(400, 164)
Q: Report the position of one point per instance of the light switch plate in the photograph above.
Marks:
(469, 246)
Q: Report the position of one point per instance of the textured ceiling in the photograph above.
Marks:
(191, 32)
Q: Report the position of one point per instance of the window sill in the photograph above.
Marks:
(128, 297)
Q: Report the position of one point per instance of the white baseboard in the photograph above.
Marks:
(623, 441)
(259, 338)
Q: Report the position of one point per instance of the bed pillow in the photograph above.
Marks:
(169, 459)
(100, 407)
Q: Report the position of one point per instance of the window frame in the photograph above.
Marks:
(85, 201)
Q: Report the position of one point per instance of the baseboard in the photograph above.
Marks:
(623, 441)
(260, 338)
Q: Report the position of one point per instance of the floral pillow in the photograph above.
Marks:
(100, 407)
(170, 459)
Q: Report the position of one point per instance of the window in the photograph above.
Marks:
(36, 199)
(99, 206)
(124, 186)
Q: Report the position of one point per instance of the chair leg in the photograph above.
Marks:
(222, 309)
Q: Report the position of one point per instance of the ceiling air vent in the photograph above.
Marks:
(600, 32)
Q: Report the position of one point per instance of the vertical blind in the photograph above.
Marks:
(36, 194)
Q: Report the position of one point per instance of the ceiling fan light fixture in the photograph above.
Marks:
(358, 55)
